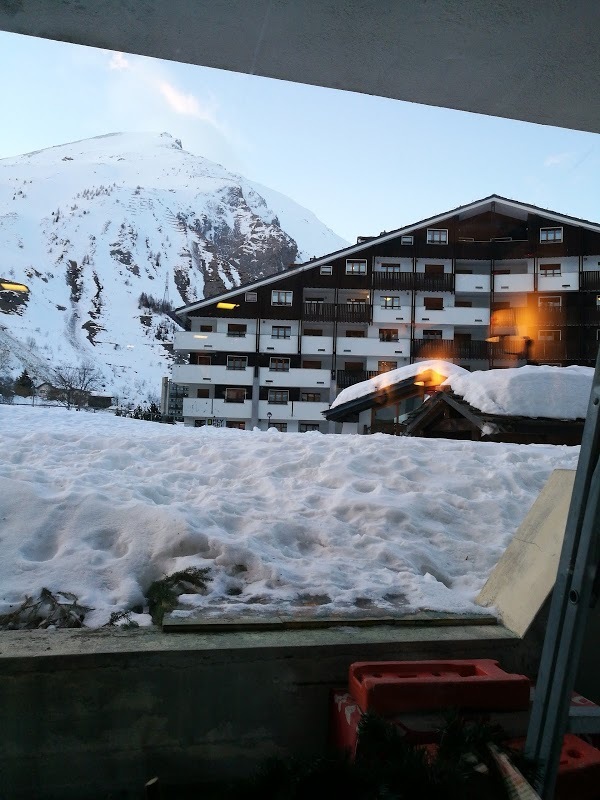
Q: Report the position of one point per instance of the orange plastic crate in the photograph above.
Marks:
(390, 687)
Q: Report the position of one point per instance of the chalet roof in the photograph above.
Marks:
(506, 205)
(489, 424)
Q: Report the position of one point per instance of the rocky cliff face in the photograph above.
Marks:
(109, 232)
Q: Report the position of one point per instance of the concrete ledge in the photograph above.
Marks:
(88, 714)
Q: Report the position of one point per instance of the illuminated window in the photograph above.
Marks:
(281, 298)
(236, 330)
(551, 234)
(356, 267)
(387, 366)
(281, 332)
(279, 397)
(437, 236)
(390, 302)
(279, 364)
(237, 362)
(388, 335)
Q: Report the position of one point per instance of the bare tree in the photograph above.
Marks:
(73, 383)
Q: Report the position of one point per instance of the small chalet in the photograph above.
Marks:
(526, 405)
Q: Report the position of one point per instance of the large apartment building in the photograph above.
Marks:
(489, 284)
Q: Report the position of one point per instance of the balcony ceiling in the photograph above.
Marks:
(534, 61)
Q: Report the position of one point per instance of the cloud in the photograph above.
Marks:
(118, 62)
(556, 159)
(182, 103)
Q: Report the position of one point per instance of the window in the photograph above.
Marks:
(406, 240)
(251, 297)
(434, 269)
(278, 397)
(355, 334)
(549, 301)
(463, 271)
(305, 427)
(199, 423)
(281, 298)
(279, 364)
(549, 269)
(241, 426)
(501, 271)
(551, 234)
(387, 366)
(597, 301)
(315, 300)
(237, 362)
(280, 426)
(388, 335)
(437, 236)
(281, 332)
(236, 330)
(432, 334)
(356, 301)
(311, 365)
(199, 358)
(311, 397)
(434, 303)
(206, 328)
(391, 269)
(549, 336)
(390, 302)
(235, 395)
(463, 303)
(202, 394)
(313, 331)
(326, 270)
(356, 267)
(353, 366)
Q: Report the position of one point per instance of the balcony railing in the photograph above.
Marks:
(590, 280)
(342, 312)
(448, 349)
(413, 281)
(346, 378)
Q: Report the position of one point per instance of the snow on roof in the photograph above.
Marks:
(365, 388)
(530, 391)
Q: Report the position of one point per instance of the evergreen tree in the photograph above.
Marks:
(24, 385)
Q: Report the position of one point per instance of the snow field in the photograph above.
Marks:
(101, 506)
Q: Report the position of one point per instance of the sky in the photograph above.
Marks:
(362, 164)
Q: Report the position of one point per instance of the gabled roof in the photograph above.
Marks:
(513, 205)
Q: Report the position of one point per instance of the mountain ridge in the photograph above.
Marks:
(93, 226)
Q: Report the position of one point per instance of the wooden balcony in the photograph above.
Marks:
(450, 350)
(590, 280)
(342, 312)
(346, 378)
(413, 281)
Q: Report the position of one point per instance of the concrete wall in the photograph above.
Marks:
(96, 714)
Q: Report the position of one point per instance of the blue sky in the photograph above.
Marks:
(362, 164)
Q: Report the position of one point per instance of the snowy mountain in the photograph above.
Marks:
(93, 226)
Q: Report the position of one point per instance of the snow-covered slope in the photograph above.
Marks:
(90, 226)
